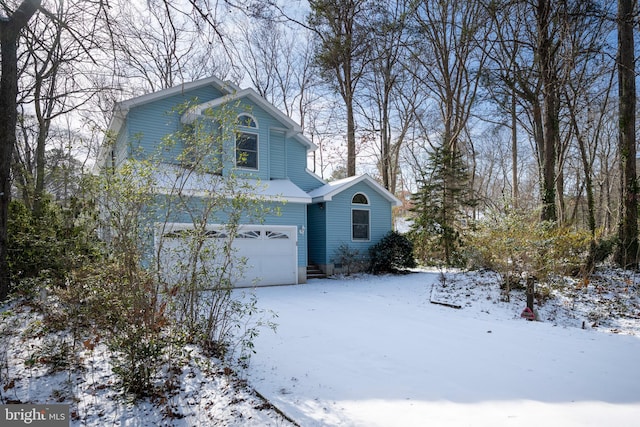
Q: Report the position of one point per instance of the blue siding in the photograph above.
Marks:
(338, 213)
(279, 157)
(297, 167)
(149, 123)
(121, 149)
(317, 228)
(277, 163)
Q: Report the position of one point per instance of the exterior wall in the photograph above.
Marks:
(277, 155)
(317, 228)
(321, 230)
(339, 230)
(121, 148)
(297, 167)
(149, 123)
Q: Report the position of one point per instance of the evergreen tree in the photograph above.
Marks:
(439, 208)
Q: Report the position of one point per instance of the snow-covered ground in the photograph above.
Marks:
(374, 351)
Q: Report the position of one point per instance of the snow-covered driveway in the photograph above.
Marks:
(372, 351)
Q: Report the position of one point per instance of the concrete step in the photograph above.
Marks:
(313, 272)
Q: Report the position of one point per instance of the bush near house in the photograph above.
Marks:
(393, 253)
(51, 245)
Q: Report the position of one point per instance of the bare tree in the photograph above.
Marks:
(383, 84)
(586, 97)
(51, 84)
(157, 45)
(343, 54)
(446, 50)
(535, 51)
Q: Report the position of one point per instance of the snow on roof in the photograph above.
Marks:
(170, 179)
(327, 191)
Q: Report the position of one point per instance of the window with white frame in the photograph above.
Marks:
(360, 218)
(247, 142)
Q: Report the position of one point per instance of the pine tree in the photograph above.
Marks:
(439, 208)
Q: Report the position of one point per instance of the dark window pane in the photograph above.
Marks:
(247, 121)
(247, 150)
(360, 221)
(360, 199)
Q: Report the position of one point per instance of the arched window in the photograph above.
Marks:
(247, 143)
(246, 120)
(360, 199)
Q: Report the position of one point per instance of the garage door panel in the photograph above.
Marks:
(270, 252)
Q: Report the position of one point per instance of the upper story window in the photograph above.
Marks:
(245, 120)
(247, 143)
(360, 199)
(247, 150)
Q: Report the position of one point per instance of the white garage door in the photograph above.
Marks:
(270, 252)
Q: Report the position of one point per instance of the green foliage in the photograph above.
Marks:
(345, 30)
(53, 244)
(394, 252)
(518, 245)
(440, 209)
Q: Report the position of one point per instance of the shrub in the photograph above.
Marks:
(350, 259)
(394, 252)
(122, 306)
(52, 245)
(516, 245)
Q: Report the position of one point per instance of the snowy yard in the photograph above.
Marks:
(373, 351)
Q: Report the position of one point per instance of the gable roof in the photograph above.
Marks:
(291, 128)
(121, 108)
(327, 191)
(231, 91)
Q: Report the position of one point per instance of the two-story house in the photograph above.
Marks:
(314, 217)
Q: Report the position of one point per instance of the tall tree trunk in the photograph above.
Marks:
(550, 114)
(351, 137)
(627, 252)
(514, 152)
(9, 32)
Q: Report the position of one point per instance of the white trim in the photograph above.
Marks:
(224, 87)
(252, 117)
(293, 129)
(360, 193)
(235, 149)
(326, 192)
(368, 239)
